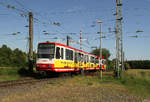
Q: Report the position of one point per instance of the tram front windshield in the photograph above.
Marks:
(46, 51)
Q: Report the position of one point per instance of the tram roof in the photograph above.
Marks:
(59, 44)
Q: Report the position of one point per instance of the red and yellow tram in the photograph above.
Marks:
(56, 57)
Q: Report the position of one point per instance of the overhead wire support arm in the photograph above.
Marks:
(119, 4)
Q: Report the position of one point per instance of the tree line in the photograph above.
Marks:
(139, 64)
(12, 58)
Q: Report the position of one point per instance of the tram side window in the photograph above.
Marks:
(76, 57)
(84, 58)
(62, 53)
(57, 53)
(92, 59)
(69, 54)
(87, 58)
(79, 57)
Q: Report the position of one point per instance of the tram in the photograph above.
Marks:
(57, 57)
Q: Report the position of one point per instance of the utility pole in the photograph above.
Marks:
(80, 39)
(100, 49)
(68, 39)
(81, 62)
(119, 38)
(30, 42)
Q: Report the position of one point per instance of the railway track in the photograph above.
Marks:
(31, 80)
(26, 81)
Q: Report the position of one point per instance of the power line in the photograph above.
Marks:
(24, 13)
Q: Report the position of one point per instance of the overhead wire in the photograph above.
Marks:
(37, 20)
(24, 12)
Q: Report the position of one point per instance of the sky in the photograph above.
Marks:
(55, 19)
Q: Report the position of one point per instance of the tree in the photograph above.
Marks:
(19, 58)
(12, 58)
(105, 53)
(5, 56)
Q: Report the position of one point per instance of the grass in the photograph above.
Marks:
(13, 73)
(9, 74)
(137, 85)
(136, 81)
